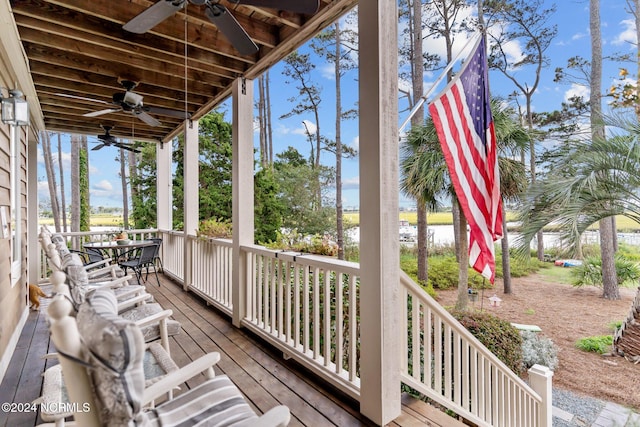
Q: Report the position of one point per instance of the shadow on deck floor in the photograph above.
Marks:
(258, 369)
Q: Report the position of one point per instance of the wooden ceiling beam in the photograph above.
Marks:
(74, 112)
(52, 87)
(163, 86)
(107, 56)
(56, 125)
(199, 28)
(114, 70)
(103, 33)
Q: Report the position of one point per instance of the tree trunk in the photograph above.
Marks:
(417, 83)
(133, 176)
(63, 203)
(614, 236)
(337, 68)
(609, 277)
(262, 131)
(125, 193)
(83, 173)
(75, 183)
(268, 117)
(463, 272)
(456, 214)
(607, 250)
(506, 262)
(422, 242)
(51, 178)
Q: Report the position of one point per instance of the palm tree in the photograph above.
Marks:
(589, 181)
(425, 176)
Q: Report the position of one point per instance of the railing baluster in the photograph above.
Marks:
(353, 328)
(328, 338)
(316, 313)
(305, 309)
(339, 343)
(296, 305)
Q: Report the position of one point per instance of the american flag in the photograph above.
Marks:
(462, 118)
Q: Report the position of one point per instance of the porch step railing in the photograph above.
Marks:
(447, 364)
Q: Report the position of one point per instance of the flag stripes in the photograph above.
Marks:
(463, 122)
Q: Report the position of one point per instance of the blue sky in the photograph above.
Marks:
(572, 17)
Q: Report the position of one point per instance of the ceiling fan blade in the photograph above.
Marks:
(127, 147)
(101, 112)
(146, 118)
(167, 112)
(308, 7)
(82, 98)
(99, 146)
(227, 24)
(153, 15)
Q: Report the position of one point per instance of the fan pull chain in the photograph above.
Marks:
(186, 58)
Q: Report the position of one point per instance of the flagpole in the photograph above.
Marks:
(424, 97)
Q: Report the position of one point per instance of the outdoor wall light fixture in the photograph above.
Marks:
(15, 110)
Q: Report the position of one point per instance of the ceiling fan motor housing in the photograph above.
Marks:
(133, 99)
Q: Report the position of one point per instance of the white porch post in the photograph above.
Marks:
(191, 197)
(33, 256)
(243, 216)
(540, 378)
(379, 238)
(164, 186)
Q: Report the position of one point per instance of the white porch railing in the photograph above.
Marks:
(446, 363)
(211, 262)
(76, 241)
(173, 254)
(308, 307)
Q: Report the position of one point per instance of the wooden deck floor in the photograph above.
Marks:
(259, 370)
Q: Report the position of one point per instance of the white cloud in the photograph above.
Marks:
(308, 128)
(576, 90)
(513, 50)
(352, 183)
(578, 36)
(299, 130)
(628, 34)
(327, 70)
(66, 157)
(355, 143)
(43, 190)
(103, 185)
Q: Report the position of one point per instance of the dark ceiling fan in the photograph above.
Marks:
(219, 15)
(108, 140)
(131, 103)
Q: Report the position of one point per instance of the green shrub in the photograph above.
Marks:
(409, 265)
(296, 242)
(590, 272)
(599, 344)
(628, 251)
(215, 228)
(443, 274)
(498, 335)
(538, 350)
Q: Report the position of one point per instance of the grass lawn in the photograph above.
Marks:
(623, 223)
(556, 274)
(95, 221)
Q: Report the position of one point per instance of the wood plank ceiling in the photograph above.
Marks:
(79, 54)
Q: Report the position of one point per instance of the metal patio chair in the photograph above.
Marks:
(140, 258)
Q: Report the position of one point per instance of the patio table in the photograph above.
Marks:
(116, 248)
